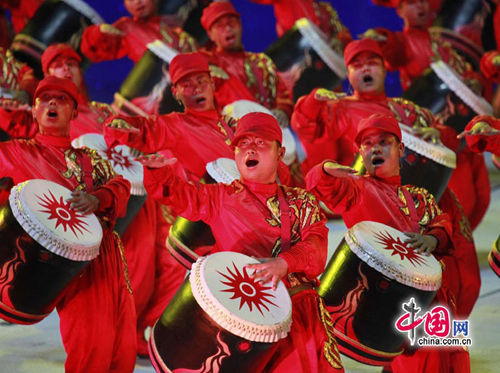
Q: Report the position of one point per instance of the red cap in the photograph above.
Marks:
(216, 10)
(59, 84)
(435, 4)
(186, 63)
(259, 124)
(381, 122)
(357, 46)
(57, 50)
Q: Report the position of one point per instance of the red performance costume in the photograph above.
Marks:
(244, 217)
(97, 314)
(240, 75)
(21, 11)
(130, 36)
(482, 143)
(321, 13)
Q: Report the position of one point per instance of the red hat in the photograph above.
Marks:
(216, 10)
(59, 84)
(260, 124)
(435, 4)
(357, 46)
(57, 50)
(381, 122)
(186, 63)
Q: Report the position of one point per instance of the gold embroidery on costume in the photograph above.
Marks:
(425, 204)
(330, 350)
(465, 228)
(101, 110)
(217, 72)
(266, 90)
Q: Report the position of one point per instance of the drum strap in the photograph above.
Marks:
(86, 164)
(412, 209)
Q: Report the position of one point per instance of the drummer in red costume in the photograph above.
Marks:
(380, 197)
(241, 75)
(244, 217)
(321, 13)
(130, 36)
(97, 315)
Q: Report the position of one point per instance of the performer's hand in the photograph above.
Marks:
(424, 244)
(12, 104)
(481, 128)
(106, 28)
(156, 160)
(282, 118)
(83, 202)
(429, 134)
(372, 34)
(122, 125)
(338, 170)
(269, 270)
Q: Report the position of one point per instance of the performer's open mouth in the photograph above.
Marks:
(377, 161)
(200, 100)
(367, 79)
(250, 163)
(230, 38)
(52, 114)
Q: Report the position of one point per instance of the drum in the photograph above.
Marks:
(122, 158)
(147, 90)
(370, 275)
(186, 14)
(220, 320)
(466, 24)
(239, 108)
(55, 21)
(494, 257)
(442, 91)
(187, 240)
(424, 164)
(45, 244)
(306, 60)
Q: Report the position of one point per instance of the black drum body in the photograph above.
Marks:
(299, 63)
(147, 90)
(364, 305)
(55, 21)
(494, 257)
(32, 279)
(203, 343)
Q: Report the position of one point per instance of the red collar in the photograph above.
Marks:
(259, 188)
(57, 141)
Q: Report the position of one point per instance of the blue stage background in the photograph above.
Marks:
(105, 78)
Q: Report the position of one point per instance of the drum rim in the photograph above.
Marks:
(219, 173)
(86, 10)
(41, 234)
(136, 186)
(436, 152)
(230, 322)
(315, 38)
(455, 83)
(162, 50)
(377, 262)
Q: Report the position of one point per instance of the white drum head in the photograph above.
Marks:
(223, 288)
(239, 108)
(383, 248)
(41, 209)
(223, 170)
(120, 157)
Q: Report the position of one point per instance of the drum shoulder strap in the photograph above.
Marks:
(86, 165)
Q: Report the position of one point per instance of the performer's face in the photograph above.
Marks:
(195, 91)
(366, 73)
(416, 13)
(66, 68)
(53, 110)
(257, 159)
(226, 33)
(140, 8)
(381, 152)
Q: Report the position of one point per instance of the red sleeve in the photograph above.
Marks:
(191, 201)
(338, 194)
(484, 143)
(156, 133)
(481, 184)
(18, 123)
(284, 98)
(113, 198)
(98, 46)
(490, 66)
(308, 256)
(393, 49)
(448, 136)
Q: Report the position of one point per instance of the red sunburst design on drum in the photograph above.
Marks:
(118, 159)
(400, 248)
(63, 214)
(247, 289)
